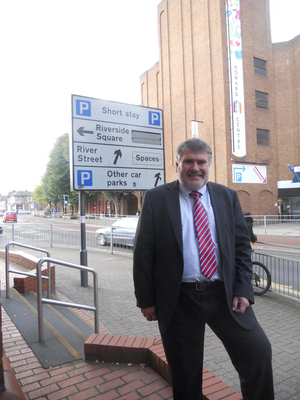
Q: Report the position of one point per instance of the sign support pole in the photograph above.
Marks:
(83, 251)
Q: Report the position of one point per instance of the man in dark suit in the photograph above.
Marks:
(171, 286)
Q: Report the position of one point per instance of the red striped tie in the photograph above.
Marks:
(208, 260)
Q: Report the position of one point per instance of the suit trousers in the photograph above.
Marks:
(249, 350)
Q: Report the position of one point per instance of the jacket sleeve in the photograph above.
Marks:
(243, 265)
(143, 257)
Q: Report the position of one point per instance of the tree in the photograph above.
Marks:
(116, 197)
(38, 194)
(56, 180)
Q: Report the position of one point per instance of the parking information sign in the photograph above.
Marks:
(115, 146)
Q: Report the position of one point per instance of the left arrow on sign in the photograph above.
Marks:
(81, 131)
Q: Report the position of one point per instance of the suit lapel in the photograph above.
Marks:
(175, 216)
(174, 211)
(219, 212)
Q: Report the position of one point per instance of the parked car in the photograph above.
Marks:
(123, 232)
(1, 230)
(10, 216)
(24, 212)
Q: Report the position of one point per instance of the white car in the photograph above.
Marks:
(123, 232)
(24, 212)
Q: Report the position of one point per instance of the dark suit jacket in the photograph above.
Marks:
(158, 251)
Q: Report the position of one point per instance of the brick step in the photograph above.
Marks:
(141, 350)
(12, 390)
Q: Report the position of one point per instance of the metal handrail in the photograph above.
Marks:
(41, 300)
(7, 270)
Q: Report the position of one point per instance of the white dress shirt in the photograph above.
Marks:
(192, 271)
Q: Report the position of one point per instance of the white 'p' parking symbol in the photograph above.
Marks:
(83, 107)
(85, 178)
(154, 118)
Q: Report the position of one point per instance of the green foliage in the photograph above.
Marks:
(73, 198)
(38, 194)
(56, 180)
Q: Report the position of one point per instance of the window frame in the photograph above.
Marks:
(260, 140)
(261, 99)
(260, 66)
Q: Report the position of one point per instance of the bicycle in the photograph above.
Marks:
(261, 278)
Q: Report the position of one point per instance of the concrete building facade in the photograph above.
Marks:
(191, 82)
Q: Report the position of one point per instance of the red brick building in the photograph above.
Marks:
(194, 81)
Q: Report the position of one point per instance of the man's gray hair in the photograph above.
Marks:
(196, 145)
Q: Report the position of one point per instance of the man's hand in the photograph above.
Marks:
(240, 304)
(149, 313)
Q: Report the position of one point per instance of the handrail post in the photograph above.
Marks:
(51, 235)
(83, 251)
(49, 277)
(96, 300)
(39, 301)
(7, 271)
(111, 240)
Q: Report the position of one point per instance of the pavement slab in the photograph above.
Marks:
(278, 315)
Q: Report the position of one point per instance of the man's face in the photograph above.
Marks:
(193, 169)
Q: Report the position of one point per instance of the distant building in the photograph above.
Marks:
(220, 77)
(2, 206)
(20, 201)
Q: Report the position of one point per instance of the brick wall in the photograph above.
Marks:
(287, 88)
(28, 284)
(21, 258)
(190, 82)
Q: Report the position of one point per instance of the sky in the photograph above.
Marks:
(95, 48)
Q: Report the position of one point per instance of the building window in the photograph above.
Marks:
(260, 66)
(261, 99)
(262, 137)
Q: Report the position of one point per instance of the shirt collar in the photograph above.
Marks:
(186, 192)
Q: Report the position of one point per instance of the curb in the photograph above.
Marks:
(142, 350)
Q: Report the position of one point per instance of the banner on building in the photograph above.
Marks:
(236, 78)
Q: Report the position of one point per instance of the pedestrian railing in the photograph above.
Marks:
(285, 273)
(9, 270)
(272, 224)
(286, 281)
(53, 236)
(41, 299)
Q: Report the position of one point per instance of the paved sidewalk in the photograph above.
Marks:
(279, 316)
(79, 380)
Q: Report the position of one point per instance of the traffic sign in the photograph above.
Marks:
(249, 173)
(115, 146)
